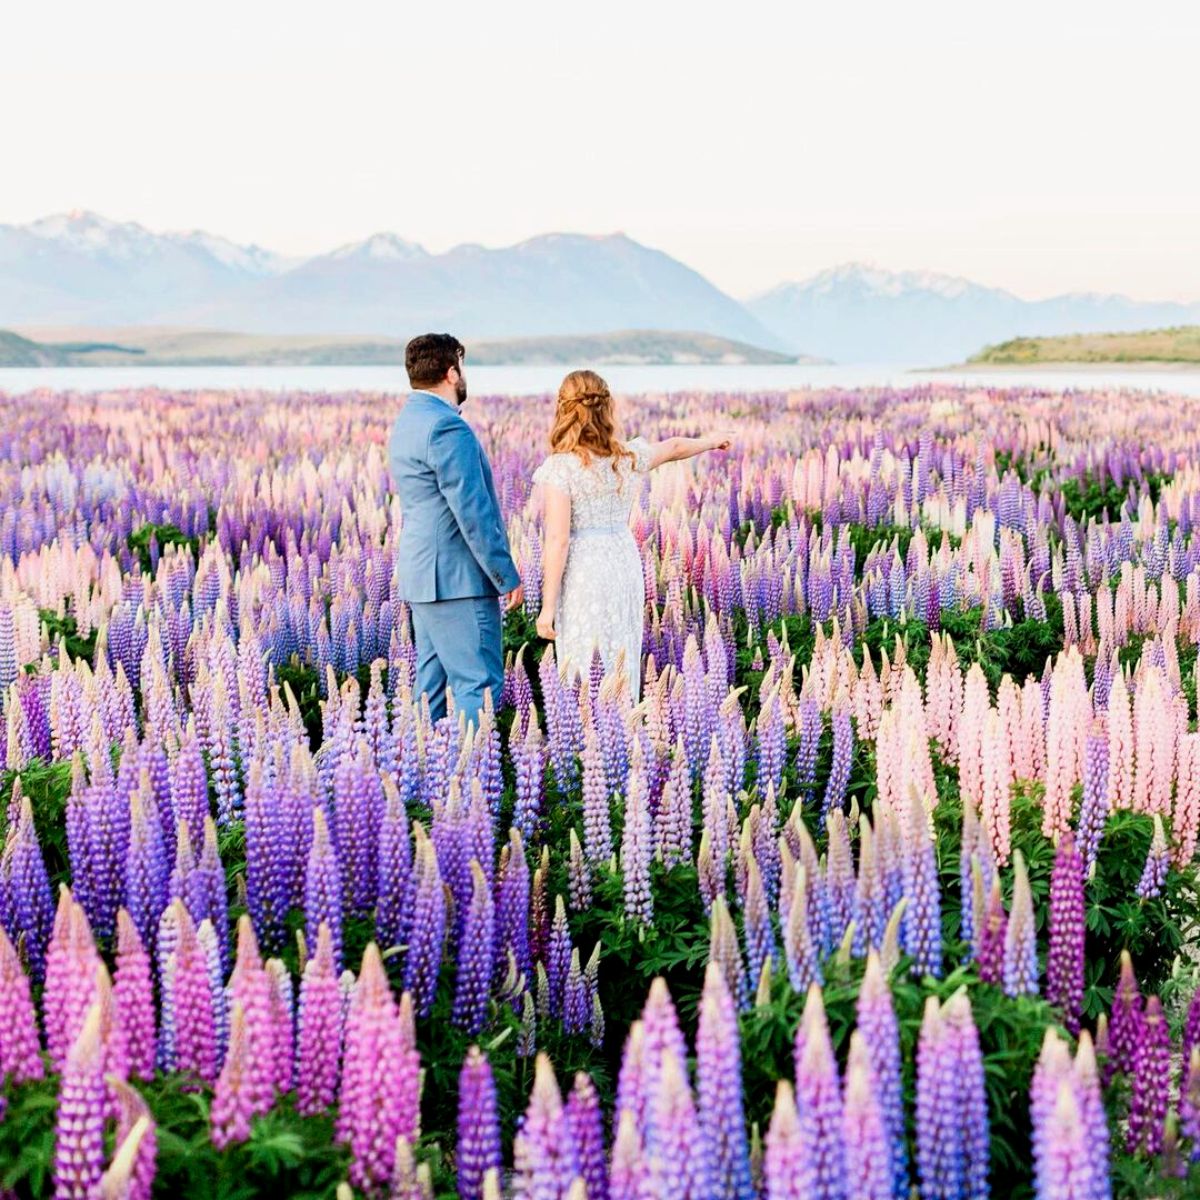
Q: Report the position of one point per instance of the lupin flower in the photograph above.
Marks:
(475, 950)
(719, 1088)
(803, 962)
(675, 1147)
(1020, 939)
(82, 1105)
(318, 1053)
(922, 913)
(380, 1076)
(1151, 1081)
(24, 869)
(545, 1158)
(819, 1103)
(1154, 874)
(427, 925)
(1189, 1101)
(20, 1052)
(130, 1175)
(234, 1101)
(585, 1128)
(133, 993)
(869, 1167)
(880, 1032)
(478, 1147)
(628, 1173)
(395, 868)
(1067, 1169)
(636, 847)
(1125, 1025)
(188, 994)
(723, 949)
(1065, 957)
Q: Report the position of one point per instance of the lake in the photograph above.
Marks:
(534, 380)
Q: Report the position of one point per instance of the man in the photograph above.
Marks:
(454, 559)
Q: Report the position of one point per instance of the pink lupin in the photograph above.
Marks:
(133, 994)
(20, 1051)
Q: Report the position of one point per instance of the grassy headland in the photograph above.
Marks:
(1180, 344)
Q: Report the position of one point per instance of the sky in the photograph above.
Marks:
(1042, 147)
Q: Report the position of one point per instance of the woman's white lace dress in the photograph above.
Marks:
(601, 606)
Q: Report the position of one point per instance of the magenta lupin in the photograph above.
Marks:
(319, 1045)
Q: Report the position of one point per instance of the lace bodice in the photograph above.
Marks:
(601, 498)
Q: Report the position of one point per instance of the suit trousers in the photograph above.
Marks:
(459, 645)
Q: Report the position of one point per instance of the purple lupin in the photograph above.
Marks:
(478, 1147)
(475, 950)
(869, 1168)
(819, 1104)
(1065, 957)
(585, 1128)
(427, 925)
(719, 1089)
(1151, 1081)
(880, 1032)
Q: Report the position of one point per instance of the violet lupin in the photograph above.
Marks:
(723, 949)
(544, 1155)
(880, 1031)
(187, 993)
(784, 1168)
(1151, 1081)
(475, 950)
(146, 871)
(24, 869)
(395, 868)
(843, 757)
(819, 1104)
(512, 907)
(1065, 957)
(478, 1146)
(82, 1107)
(319, 1046)
(803, 962)
(1125, 1024)
(675, 1147)
(922, 913)
(427, 925)
(323, 886)
(1067, 1170)
(719, 1089)
(585, 1128)
(1189, 1101)
(1154, 873)
(869, 1169)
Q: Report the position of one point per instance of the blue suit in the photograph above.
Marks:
(453, 560)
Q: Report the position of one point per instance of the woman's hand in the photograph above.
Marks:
(720, 440)
(545, 626)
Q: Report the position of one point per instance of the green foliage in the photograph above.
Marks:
(63, 630)
(142, 539)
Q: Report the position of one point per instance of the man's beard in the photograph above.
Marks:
(460, 391)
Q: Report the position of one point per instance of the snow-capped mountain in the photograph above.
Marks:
(860, 313)
(80, 268)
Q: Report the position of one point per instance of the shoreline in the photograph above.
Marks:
(1063, 366)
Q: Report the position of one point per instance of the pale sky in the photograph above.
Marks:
(1039, 145)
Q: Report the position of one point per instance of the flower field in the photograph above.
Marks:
(885, 886)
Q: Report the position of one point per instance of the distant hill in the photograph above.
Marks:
(81, 268)
(857, 313)
(1180, 344)
(149, 346)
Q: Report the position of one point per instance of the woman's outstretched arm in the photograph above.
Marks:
(677, 449)
(556, 540)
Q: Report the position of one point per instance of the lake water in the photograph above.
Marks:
(535, 380)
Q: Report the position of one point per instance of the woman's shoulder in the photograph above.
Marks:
(641, 451)
(556, 469)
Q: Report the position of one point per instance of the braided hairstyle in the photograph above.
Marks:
(584, 422)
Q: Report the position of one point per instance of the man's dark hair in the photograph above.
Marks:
(427, 358)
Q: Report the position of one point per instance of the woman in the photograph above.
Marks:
(593, 594)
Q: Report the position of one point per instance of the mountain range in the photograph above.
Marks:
(83, 269)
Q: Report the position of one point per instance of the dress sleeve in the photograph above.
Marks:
(642, 454)
(556, 472)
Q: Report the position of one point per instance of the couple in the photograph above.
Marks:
(454, 559)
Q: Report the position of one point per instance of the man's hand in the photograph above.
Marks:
(545, 626)
(514, 599)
